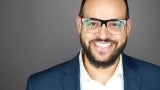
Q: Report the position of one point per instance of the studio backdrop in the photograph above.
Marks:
(38, 34)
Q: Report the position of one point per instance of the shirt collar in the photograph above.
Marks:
(84, 75)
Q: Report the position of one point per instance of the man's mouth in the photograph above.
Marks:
(103, 44)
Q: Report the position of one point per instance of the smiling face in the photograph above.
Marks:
(102, 49)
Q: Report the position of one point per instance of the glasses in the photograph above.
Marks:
(114, 26)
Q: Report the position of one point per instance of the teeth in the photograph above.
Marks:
(103, 45)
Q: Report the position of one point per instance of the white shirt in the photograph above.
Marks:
(116, 82)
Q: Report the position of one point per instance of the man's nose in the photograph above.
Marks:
(103, 32)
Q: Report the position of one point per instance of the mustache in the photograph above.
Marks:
(104, 40)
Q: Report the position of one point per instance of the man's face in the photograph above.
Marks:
(102, 49)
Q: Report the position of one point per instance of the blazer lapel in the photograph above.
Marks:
(132, 79)
(72, 80)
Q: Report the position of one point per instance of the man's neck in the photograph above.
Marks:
(101, 75)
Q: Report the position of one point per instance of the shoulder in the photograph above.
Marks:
(141, 66)
(54, 73)
(146, 73)
(52, 77)
(48, 74)
(49, 78)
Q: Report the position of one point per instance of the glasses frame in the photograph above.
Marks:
(105, 22)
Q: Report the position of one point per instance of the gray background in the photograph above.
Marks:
(38, 34)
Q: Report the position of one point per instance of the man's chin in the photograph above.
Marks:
(102, 61)
(102, 55)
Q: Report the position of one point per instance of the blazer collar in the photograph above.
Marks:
(132, 79)
(72, 79)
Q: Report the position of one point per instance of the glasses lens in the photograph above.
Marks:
(90, 25)
(116, 27)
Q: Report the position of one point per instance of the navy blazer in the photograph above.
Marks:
(138, 75)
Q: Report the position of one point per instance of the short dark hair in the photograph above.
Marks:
(83, 2)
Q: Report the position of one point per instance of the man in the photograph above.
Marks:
(103, 26)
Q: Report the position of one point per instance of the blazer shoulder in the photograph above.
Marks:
(141, 66)
(144, 73)
(57, 71)
(52, 77)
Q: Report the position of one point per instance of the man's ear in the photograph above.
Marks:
(78, 23)
(129, 26)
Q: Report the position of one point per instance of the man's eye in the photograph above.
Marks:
(116, 24)
(94, 24)
(90, 24)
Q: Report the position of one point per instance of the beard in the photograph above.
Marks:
(111, 60)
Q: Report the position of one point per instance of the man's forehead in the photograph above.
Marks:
(106, 3)
(103, 1)
(105, 7)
